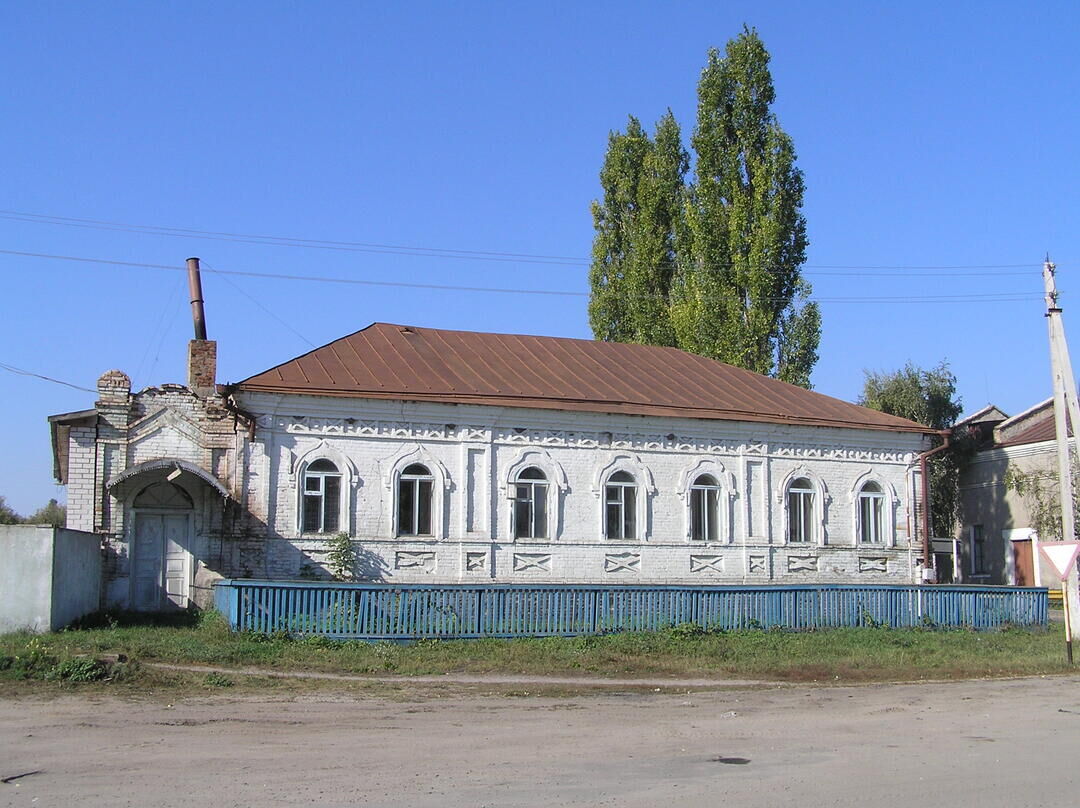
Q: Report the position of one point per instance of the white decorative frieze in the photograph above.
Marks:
(801, 450)
(802, 563)
(873, 564)
(410, 430)
(758, 564)
(538, 562)
(622, 562)
(423, 560)
(706, 563)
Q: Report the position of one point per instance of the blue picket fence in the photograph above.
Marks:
(413, 611)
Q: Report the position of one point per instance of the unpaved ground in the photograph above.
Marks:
(992, 743)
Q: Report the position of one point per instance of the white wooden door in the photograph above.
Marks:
(161, 562)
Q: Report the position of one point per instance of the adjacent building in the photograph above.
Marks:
(997, 539)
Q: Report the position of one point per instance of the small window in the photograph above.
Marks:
(800, 503)
(322, 497)
(620, 502)
(705, 509)
(871, 514)
(530, 505)
(978, 551)
(414, 501)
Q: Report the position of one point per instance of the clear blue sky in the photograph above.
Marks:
(930, 135)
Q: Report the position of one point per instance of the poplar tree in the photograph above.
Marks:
(636, 223)
(725, 279)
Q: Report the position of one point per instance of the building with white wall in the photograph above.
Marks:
(453, 456)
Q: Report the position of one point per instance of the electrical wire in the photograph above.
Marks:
(21, 372)
(965, 298)
(281, 320)
(897, 270)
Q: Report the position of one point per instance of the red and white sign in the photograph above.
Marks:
(1062, 554)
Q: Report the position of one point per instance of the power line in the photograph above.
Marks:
(897, 270)
(965, 298)
(21, 372)
(280, 320)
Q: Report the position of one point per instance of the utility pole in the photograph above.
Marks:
(1064, 402)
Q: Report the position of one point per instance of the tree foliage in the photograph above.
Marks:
(929, 398)
(7, 515)
(925, 396)
(341, 557)
(714, 266)
(634, 250)
(53, 514)
(1041, 493)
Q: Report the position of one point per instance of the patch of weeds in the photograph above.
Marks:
(686, 631)
(387, 653)
(217, 680)
(318, 641)
(869, 621)
(78, 669)
(30, 662)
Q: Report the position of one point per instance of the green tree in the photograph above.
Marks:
(53, 514)
(714, 267)
(1041, 493)
(636, 223)
(928, 397)
(7, 515)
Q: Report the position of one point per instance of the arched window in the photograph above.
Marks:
(414, 501)
(620, 500)
(322, 497)
(800, 505)
(530, 505)
(705, 509)
(871, 514)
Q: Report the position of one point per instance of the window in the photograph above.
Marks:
(414, 501)
(704, 509)
(620, 500)
(530, 505)
(322, 497)
(871, 514)
(800, 502)
(978, 551)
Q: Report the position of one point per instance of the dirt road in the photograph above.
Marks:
(1000, 743)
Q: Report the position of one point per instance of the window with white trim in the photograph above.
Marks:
(531, 504)
(414, 492)
(705, 509)
(800, 506)
(620, 505)
(321, 510)
(871, 505)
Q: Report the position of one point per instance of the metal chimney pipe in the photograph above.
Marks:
(195, 286)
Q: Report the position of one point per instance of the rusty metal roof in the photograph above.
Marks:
(385, 361)
(1042, 430)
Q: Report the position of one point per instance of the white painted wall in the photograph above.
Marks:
(50, 577)
(474, 450)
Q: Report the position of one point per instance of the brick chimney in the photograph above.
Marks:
(202, 367)
(202, 352)
(114, 389)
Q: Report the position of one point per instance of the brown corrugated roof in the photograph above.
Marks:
(386, 361)
(1038, 432)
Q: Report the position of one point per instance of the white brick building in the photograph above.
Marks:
(464, 457)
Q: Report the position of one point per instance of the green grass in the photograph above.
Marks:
(839, 655)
